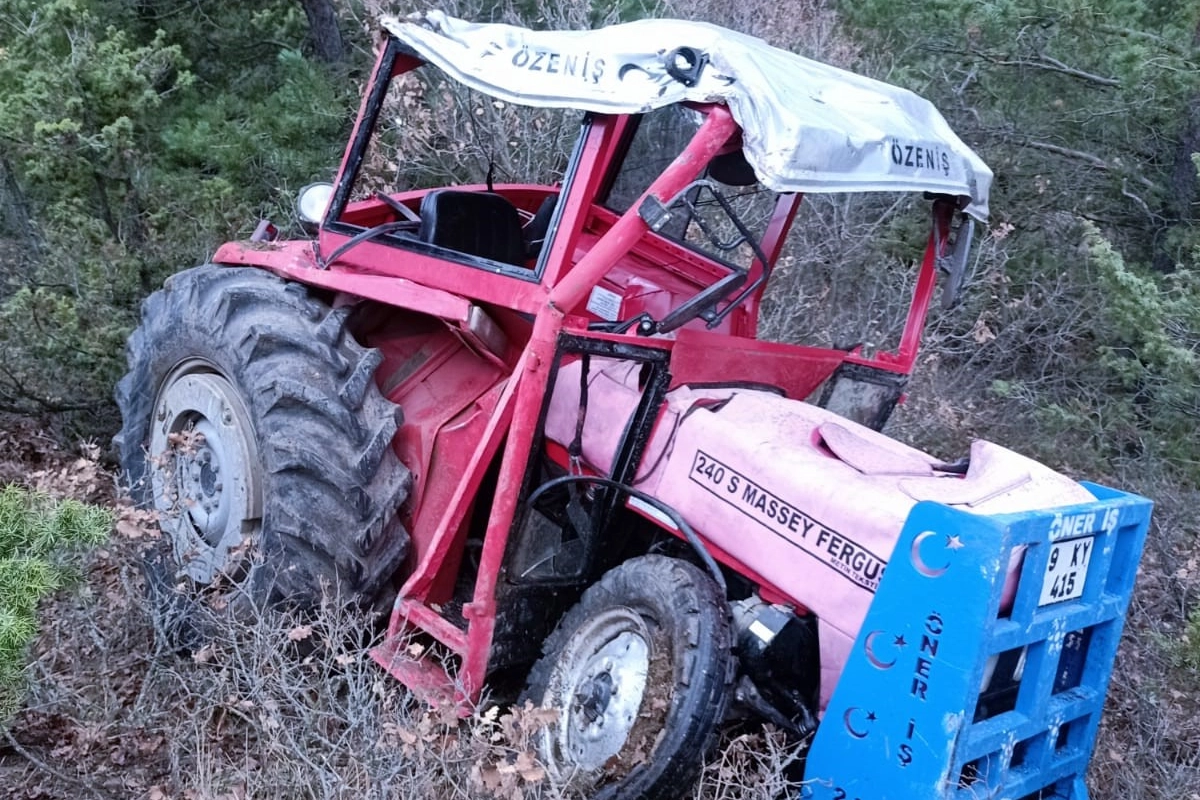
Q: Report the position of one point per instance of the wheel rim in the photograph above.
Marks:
(598, 686)
(205, 461)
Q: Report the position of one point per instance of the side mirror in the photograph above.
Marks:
(954, 263)
(312, 202)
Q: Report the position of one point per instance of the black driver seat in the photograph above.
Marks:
(479, 224)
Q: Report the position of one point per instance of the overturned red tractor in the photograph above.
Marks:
(536, 421)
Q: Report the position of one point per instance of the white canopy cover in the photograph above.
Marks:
(807, 126)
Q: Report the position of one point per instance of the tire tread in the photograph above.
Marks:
(332, 485)
(696, 615)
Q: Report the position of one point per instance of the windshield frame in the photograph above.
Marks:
(396, 60)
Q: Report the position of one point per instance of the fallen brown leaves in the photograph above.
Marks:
(32, 457)
(511, 767)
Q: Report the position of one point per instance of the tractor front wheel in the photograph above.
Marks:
(639, 673)
(253, 425)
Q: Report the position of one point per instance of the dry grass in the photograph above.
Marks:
(127, 702)
(274, 706)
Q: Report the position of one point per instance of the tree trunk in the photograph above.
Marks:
(323, 27)
(14, 208)
(1180, 204)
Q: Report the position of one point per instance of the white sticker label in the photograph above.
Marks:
(604, 304)
(1066, 570)
(764, 634)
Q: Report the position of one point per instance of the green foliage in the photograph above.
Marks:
(1078, 106)
(1083, 311)
(1184, 651)
(1187, 650)
(134, 141)
(1096, 366)
(37, 537)
(1152, 327)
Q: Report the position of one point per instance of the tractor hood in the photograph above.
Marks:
(812, 502)
(807, 126)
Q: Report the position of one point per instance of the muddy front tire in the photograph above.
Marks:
(252, 423)
(639, 672)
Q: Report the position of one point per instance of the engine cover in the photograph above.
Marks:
(809, 500)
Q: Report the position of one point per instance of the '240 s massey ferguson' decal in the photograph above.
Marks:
(836, 551)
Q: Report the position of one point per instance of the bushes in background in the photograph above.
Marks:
(136, 139)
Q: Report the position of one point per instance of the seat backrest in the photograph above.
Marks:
(480, 224)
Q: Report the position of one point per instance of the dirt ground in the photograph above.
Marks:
(75, 737)
(119, 708)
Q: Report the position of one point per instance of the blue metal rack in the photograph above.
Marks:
(909, 720)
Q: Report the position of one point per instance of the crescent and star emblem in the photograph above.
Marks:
(918, 562)
(848, 720)
(869, 647)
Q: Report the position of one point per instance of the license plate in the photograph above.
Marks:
(1066, 571)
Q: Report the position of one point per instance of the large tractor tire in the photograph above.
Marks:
(639, 672)
(253, 424)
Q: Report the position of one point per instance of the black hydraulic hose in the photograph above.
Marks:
(688, 533)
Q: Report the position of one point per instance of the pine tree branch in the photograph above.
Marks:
(1058, 66)
(1049, 64)
(1160, 41)
(1090, 158)
(1077, 155)
(1087, 158)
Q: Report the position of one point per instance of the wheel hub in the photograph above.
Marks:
(201, 494)
(205, 456)
(593, 697)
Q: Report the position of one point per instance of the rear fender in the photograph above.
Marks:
(443, 364)
(296, 260)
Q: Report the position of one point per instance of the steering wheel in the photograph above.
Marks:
(405, 227)
(696, 305)
(707, 298)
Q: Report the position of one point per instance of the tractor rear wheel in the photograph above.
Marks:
(253, 424)
(639, 672)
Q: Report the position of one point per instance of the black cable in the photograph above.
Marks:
(688, 533)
